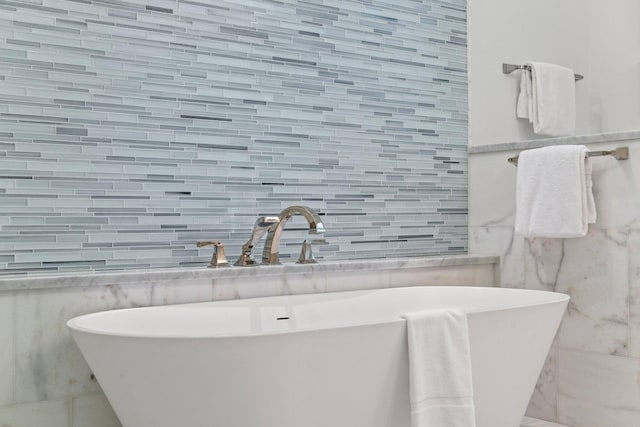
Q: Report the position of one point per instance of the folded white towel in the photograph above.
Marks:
(529, 87)
(554, 99)
(591, 201)
(441, 386)
(523, 108)
(548, 99)
(553, 192)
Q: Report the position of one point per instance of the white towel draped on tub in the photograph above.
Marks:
(441, 387)
(548, 99)
(554, 196)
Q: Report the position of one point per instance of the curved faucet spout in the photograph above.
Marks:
(270, 255)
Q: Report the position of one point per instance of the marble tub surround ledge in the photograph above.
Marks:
(480, 265)
(44, 379)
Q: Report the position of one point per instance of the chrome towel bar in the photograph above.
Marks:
(510, 68)
(620, 153)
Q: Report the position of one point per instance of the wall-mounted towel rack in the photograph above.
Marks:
(510, 68)
(620, 153)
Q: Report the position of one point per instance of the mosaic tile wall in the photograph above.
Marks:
(130, 129)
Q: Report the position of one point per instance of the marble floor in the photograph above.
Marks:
(532, 422)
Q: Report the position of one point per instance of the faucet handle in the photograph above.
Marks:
(306, 254)
(245, 259)
(218, 259)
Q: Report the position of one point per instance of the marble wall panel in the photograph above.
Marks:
(616, 186)
(527, 264)
(260, 285)
(544, 401)
(52, 413)
(464, 275)
(634, 293)
(186, 291)
(48, 363)
(7, 372)
(594, 273)
(598, 390)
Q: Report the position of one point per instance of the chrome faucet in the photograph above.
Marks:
(270, 254)
(261, 226)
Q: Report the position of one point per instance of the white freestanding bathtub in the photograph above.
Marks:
(322, 360)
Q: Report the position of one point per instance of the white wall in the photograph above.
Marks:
(613, 36)
(600, 41)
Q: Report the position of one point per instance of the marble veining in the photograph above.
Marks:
(589, 379)
(180, 274)
(598, 390)
(544, 400)
(634, 293)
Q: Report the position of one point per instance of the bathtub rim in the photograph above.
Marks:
(74, 326)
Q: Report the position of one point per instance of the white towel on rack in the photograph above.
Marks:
(591, 201)
(524, 97)
(440, 380)
(553, 99)
(553, 192)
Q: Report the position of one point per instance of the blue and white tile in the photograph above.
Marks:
(121, 154)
